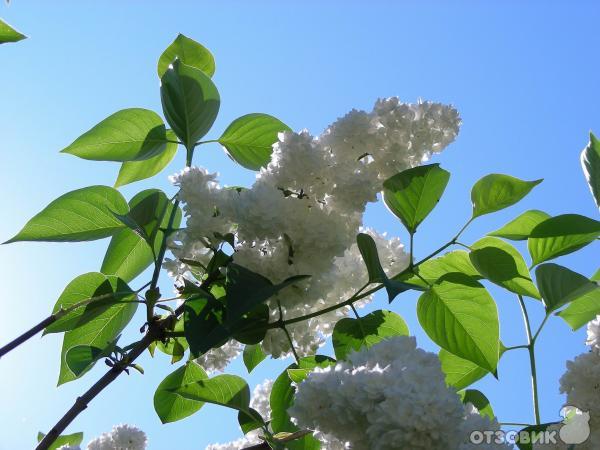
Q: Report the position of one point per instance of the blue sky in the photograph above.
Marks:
(524, 76)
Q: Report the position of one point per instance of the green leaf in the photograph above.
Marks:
(585, 305)
(368, 250)
(95, 292)
(80, 357)
(100, 332)
(253, 355)
(190, 102)
(9, 34)
(520, 228)
(127, 135)
(128, 253)
(432, 269)
(250, 421)
(203, 324)
(590, 162)
(174, 346)
(459, 315)
(503, 265)
(190, 53)
(479, 401)
(460, 372)
(172, 407)
(252, 328)
(139, 170)
(412, 194)
(225, 390)
(559, 286)
(249, 139)
(65, 439)
(352, 334)
(82, 215)
(282, 397)
(496, 191)
(246, 290)
(561, 235)
(596, 276)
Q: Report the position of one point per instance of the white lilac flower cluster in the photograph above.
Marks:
(121, 437)
(302, 214)
(392, 395)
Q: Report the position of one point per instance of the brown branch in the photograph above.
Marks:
(154, 333)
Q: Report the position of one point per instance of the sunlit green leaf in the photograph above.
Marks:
(431, 270)
(353, 334)
(66, 439)
(82, 215)
(190, 53)
(95, 292)
(225, 390)
(520, 228)
(412, 194)
(9, 34)
(501, 263)
(459, 315)
(172, 407)
(130, 253)
(559, 286)
(590, 162)
(561, 235)
(497, 191)
(127, 135)
(100, 332)
(139, 170)
(460, 372)
(250, 138)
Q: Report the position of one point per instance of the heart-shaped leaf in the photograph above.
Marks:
(352, 334)
(172, 407)
(412, 194)
(190, 53)
(249, 139)
(190, 102)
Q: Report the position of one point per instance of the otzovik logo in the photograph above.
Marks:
(576, 428)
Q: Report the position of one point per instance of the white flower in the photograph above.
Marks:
(302, 214)
(261, 398)
(581, 383)
(69, 447)
(122, 437)
(593, 334)
(390, 396)
(216, 359)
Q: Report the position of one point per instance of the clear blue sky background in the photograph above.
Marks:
(524, 76)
